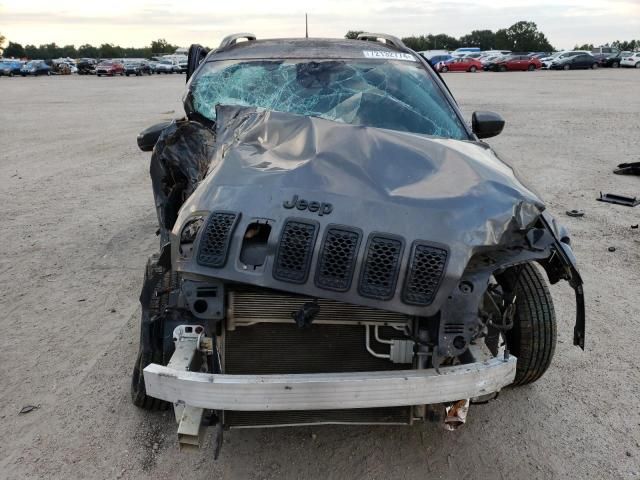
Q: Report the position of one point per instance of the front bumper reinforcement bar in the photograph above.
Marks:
(322, 391)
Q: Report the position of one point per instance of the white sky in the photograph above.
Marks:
(182, 22)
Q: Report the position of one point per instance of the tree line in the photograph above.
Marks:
(106, 50)
(522, 36)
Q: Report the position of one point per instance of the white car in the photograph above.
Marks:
(632, 60)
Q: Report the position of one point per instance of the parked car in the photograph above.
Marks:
(489, 62)
(183, 64)
(516, 63)
(580, 61)
(35, 68)
(9, 68)
(611, 60)
(109, 68)
(386, 274)
(463, 64)
(167, 66)
(546, 62)
(435, 59)
(86, 66)
(138, 68)
(632, 60)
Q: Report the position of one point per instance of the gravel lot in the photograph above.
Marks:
(78, 224)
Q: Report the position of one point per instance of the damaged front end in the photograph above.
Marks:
(332, 273)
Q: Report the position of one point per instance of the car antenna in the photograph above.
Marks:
(306, 26)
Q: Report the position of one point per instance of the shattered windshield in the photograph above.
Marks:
(388, 94)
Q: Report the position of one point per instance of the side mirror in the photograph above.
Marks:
(486, 124)
(147, 138)
(197, 53)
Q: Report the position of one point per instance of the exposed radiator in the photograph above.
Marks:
(265, 340)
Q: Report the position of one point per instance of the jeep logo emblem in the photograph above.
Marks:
(302, 204)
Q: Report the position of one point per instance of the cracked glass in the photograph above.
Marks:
(396, 95)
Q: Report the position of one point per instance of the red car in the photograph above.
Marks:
(460, 65)
(517, 62)
(109, 68)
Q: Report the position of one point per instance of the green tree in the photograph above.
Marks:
(627, 45)
(109, 50)
(88, 51)
(522, 36)
(14, 50)
(485, 39)
(69, 51)
(162, 46)
(585, 46)
(32, 52)
(353, 34)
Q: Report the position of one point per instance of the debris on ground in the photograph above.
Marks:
(575, 213)
(628, 169)
(27, 409)
(619, 199)
(612, 249)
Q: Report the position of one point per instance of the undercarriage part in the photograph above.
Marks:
(205, 299)
(456, 414)
(619, 199)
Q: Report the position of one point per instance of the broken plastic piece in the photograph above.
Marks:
(628, 169)
(619, 199)
(456, 415)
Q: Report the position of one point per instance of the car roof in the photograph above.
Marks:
(300, 48)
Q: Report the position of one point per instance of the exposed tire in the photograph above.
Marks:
(444, 69)
(531, 68)
(165, 281)
(473, 69)
(503, 68)
(533, 336)
(595, 66)
(638, 65)
(567, 67)
(615, 65)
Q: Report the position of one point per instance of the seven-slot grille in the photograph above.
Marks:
(337, 260)
(426, 267)
(216, 236)
(381, 266)
(295, 251)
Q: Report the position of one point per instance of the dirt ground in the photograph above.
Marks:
(78, 223)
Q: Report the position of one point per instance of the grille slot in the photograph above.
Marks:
(381, 266)
(216, 237)
(338, 258)
(454, 328)
(426, 267)
(295, 250)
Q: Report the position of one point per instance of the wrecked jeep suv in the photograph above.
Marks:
(338, 246)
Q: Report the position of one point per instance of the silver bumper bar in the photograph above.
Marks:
(328, 390)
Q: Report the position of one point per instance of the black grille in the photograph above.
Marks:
(337, 258)
(295, 251)
(381, 265)
(426, 267)
(215, 239)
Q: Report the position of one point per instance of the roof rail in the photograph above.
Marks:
(388, 39)
(231, 40)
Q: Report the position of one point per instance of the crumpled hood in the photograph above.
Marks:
(457, 194)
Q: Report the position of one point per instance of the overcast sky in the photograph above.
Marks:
(182, 22)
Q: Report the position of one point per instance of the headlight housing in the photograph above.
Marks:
(188, 235)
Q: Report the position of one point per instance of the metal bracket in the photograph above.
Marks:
(188, 339)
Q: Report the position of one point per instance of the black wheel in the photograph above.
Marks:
(127, 74)
(615, 64)
(444, 69)
(160, 282)
(595, 66)
(531, 68)
(567, 67)
(503, 68)
(533, 336)
(473, 69)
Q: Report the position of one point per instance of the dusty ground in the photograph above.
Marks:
(78, 223)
